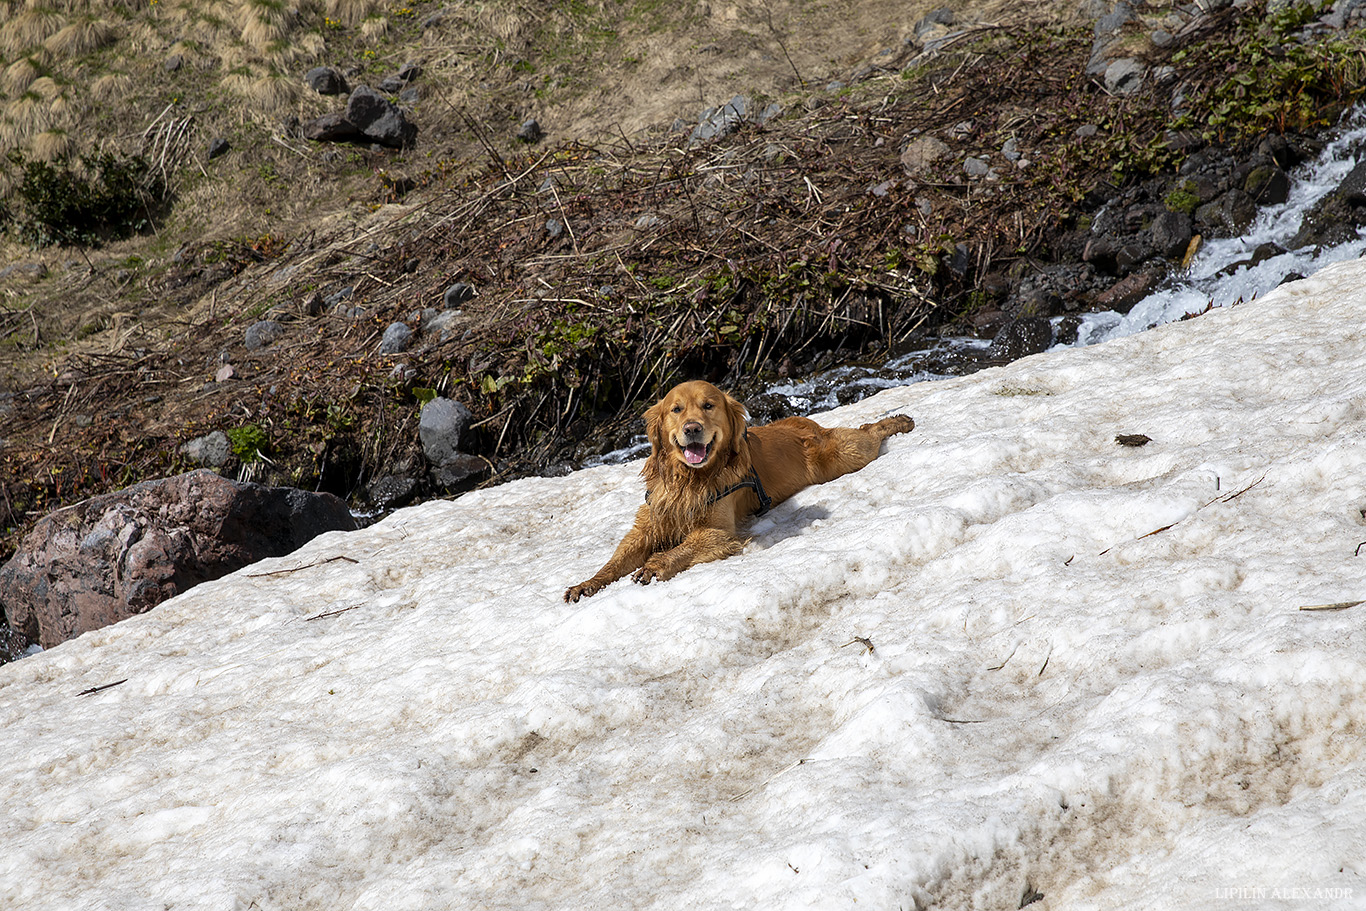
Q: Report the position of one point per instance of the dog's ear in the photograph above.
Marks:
(738, 417)
(654, 426)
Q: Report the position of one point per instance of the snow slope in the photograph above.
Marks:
(1089, 679)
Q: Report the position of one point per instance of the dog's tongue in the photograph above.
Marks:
(695, 453)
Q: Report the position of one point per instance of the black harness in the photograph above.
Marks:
(752, 482)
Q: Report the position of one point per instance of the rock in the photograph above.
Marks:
(13, 644)
(225, 373)
(1123, 294)
(1021, 337)
(218, 147)
(120, 554)
(720, 121)
(33, 272)
(1171, 233)
(457, 294)
(530, 131)
(396, 83)
(327, 80)
(922, 152)
(1108, 37)
(1124, 76)
(173, 63)
(391, 492)
(444, 325)
(338, 297)
(396, 339)
(441, 428)
(263, 333)
(976, 167)
(1230, 214)
(332, 127)
(212, 450)
(379, 119)
(941, 16)
(1268, 185)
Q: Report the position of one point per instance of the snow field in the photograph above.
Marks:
(1089, 676)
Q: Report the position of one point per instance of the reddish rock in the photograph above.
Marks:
(120, 554)
(1126, 292)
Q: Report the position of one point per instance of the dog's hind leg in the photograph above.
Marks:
(845, 449)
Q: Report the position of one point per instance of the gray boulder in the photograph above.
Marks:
(378, 119)
(396, 339)
(327, 80)
(211, 450)
(441, 428)
(263, 333)
(120, 554)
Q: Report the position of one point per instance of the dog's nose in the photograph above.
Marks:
(692, 428)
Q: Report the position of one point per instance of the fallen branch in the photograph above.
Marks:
(105, 686)
(1336, 605)
(295, 569)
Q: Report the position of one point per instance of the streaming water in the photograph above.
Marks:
(1224, 272)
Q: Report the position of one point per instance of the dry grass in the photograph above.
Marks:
(24, 118)
(45, 88)
(81, 38)
(18, 76)
(374, 30)
(261, 25)
(29, 29)
(269, 94)
(350, 13)
(52, 145)
(111, 86)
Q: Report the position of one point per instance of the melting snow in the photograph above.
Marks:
(1010, 658)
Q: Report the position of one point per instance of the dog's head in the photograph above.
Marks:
(697, 424)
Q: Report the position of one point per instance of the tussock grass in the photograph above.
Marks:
(350, 13)
(111, 86)
(52, 145)
(24, 117)
(81, 38)
(374, 30)
(18, 76)
(29, 28)
(261, 24)
(269, 94)
(45, 87)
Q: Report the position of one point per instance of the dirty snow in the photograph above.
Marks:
(1009, 659)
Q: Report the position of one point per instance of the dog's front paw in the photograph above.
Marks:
(652, 571)
(582, 590)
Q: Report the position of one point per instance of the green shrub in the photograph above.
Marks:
(105, 197)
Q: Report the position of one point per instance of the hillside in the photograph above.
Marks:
(605, 259)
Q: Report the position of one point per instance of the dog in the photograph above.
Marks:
(708, 471)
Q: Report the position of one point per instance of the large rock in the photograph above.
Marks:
(441, 427)
(379, 119)
(120, 554)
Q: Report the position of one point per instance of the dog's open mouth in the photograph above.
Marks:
(696, 453)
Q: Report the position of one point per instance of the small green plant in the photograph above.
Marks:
(1182, 200)
(247, 442)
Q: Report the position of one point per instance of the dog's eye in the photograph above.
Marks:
(677, 408)
(706, 406)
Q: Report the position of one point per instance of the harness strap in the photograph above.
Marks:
(752, 482)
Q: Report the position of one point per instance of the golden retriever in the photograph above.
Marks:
(707, 471)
